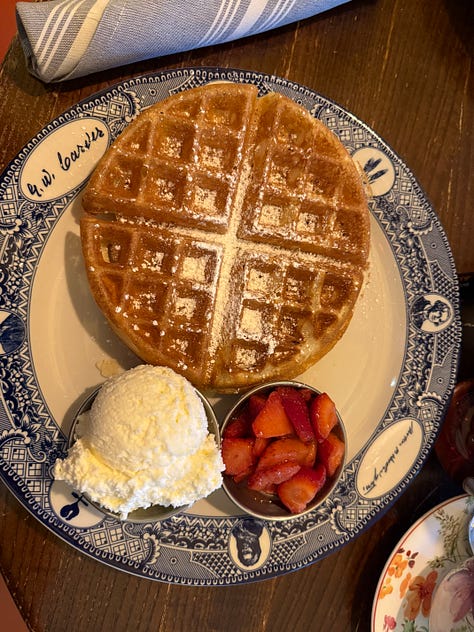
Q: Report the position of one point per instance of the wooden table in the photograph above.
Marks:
(404, 68)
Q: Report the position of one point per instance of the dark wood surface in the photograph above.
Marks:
(403, 67)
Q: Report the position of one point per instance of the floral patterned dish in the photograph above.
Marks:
(432, 547)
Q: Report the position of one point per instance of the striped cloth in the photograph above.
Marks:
(65, 39)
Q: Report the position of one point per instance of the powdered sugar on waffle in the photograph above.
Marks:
(263, 242)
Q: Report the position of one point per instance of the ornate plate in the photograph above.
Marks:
(391, 375)
(432, 547)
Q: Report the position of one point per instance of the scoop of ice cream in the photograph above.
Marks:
(145, 441)
(143, 417)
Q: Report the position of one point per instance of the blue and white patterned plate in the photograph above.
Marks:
(391, 375)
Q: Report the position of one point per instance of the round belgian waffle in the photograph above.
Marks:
(226, 236)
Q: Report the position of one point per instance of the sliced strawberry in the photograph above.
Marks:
(297, 410)
(300, 489)
(287, 449)
(261, 480)
(255, 404)
(312, 452)
(323, 415)
(259, 446)
(237, 454)
(306, 393)
(238, 478)
(272, 421)
(331, 453)
(238, 426)
(271, 489)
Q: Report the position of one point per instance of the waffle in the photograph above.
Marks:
(226, 236)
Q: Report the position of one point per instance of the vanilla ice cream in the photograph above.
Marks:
(144, 442)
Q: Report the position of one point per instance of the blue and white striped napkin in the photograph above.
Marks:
(65, 39)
